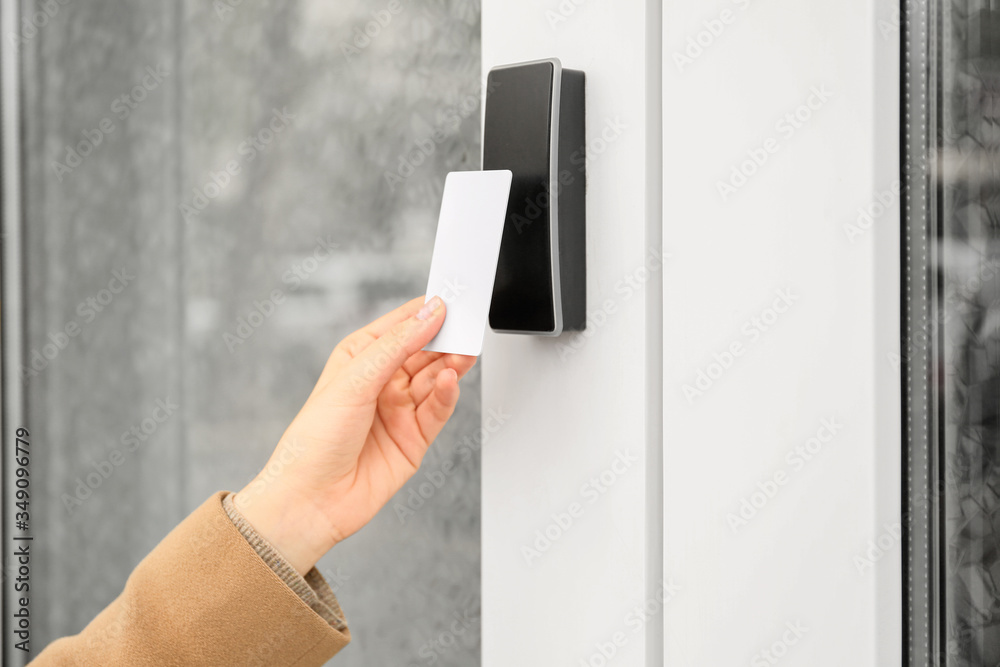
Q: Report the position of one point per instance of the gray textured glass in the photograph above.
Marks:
(951, 326)
(376, 123)
(969, 313)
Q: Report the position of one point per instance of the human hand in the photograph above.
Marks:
(362, 433)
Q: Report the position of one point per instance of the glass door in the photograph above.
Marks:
(951, 331)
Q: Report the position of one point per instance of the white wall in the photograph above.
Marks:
(571, 411)
(826, 357)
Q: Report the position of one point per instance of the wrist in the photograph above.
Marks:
(293, 526)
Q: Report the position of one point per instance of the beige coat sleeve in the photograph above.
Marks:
(202, 597)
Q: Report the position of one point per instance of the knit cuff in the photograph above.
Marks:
(313, 588)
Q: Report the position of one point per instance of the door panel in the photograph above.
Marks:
(781, 398)
(565, 504)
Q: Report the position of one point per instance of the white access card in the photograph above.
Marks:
(466, 250)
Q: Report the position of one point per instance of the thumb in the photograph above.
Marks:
(368, 373)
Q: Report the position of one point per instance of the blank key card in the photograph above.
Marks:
(466, 250)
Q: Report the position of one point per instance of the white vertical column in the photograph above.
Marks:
(781, 404)
(565, 502)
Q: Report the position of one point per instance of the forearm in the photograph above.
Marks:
(204, 596)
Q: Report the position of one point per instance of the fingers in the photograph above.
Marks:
(439, 405)
(461, 363)
(370, 370)
(422, 361)
(419, 361)
(363, 337)
(422, 382)
(356, 342)
(384, 324)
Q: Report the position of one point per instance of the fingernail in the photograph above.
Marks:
(429, 308)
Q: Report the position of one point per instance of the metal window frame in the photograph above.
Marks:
(924, 641)
(13, 404)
